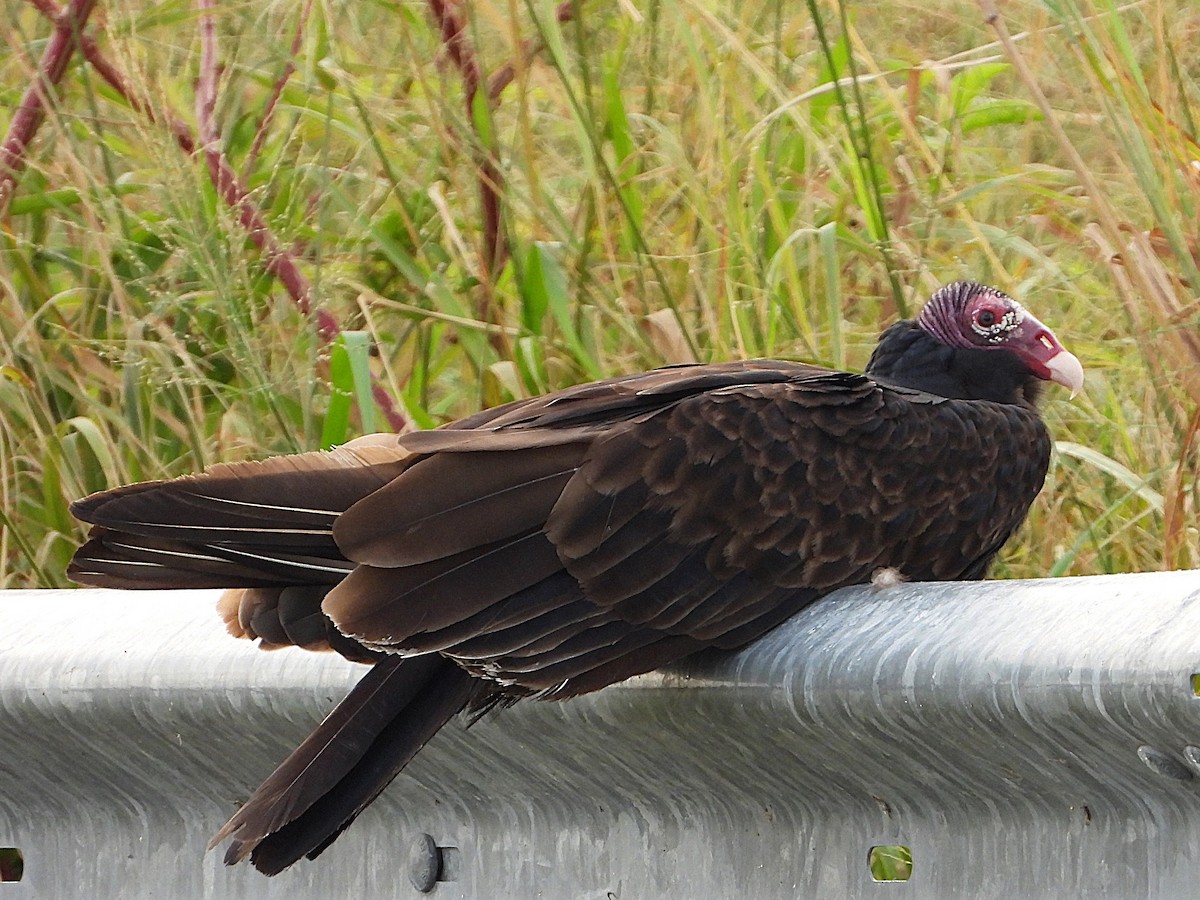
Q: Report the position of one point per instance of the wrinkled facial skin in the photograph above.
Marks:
(970, 315)
(992, 318)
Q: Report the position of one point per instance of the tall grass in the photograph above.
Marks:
(674, 180)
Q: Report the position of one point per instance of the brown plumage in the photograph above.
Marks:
(553, 546)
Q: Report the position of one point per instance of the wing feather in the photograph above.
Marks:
(563, 621)
(752, 501)
(511, 615)
(292, 498)
(235, 525)
(452, 502)
(386, 607)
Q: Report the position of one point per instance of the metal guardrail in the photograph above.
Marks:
(1024, 739)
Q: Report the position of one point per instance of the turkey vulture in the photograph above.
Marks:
(553, 546)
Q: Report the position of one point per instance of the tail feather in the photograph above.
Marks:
(253, 524)
(347, 761)
(115, 560)
(285, 498)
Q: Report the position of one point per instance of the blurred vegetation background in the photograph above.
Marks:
(489, 199)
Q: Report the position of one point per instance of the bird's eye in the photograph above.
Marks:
(985, 318)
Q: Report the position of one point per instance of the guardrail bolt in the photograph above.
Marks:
(425, 863)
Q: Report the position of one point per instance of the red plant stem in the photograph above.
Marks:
(91, 52)
(504, 75)
(260, 133)
(453, 31)
(32, 110)
(397, 418)
(279, 262)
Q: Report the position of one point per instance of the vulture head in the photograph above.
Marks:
(975, 342)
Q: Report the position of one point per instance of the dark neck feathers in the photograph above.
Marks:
(911, 357)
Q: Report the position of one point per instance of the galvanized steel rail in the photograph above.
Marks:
(1024, 739)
